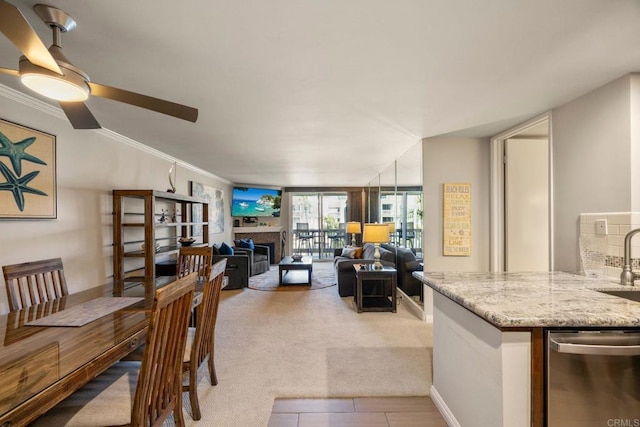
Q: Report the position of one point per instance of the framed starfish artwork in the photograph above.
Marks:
(27, 173)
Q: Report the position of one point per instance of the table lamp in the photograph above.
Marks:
(353, 228)
(376, 234)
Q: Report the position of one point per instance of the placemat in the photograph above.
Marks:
(84, 313)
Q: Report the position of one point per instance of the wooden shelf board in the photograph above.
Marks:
(162, 250)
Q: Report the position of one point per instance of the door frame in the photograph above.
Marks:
(497, 219)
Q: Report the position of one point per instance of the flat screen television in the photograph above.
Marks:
(253, 201)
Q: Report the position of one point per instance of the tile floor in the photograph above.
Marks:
(356, 412)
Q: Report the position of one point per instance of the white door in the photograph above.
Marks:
(526, 204)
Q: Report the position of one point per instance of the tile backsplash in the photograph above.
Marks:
(618, 224)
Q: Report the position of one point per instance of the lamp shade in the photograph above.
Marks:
(392, 226)
(376, 233)
(353, 228)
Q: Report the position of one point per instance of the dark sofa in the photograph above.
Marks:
(406, 263)
(345, 273)
(236, 271)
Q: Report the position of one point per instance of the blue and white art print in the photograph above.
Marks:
(215, 197)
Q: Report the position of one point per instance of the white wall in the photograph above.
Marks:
(89, 165)
(635, 142)
(456, 159)
(592, 161)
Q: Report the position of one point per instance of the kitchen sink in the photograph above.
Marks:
(630, 295)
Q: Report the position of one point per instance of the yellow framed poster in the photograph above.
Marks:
(456, 219)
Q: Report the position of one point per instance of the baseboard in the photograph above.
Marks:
(411, 305)
(443, 408)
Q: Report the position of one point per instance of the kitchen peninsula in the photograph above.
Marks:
(489, 332)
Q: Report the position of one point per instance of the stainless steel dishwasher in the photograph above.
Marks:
(593, 378)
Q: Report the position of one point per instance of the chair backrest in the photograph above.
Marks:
(32, 283)
(303, 230)
(159, 389)
(410, 231)
(195, 259)
(207, 314)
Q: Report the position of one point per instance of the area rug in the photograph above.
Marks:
(322, 276)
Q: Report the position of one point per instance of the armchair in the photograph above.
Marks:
(258, 257)
(237, 269)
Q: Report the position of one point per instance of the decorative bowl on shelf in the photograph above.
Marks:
(186, 241)
(296, 258)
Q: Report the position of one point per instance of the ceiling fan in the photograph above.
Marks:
(49, 73)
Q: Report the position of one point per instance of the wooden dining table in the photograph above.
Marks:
(42, 365)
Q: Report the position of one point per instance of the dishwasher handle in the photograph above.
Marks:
(594, 349)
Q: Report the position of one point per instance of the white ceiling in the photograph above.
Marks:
(329, 92)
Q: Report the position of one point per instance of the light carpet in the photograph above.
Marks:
(322, 276)
(309, 344)
(295, 345)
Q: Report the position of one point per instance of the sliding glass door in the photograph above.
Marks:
(318, 223)
(404, 210)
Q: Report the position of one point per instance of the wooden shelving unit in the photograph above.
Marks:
(136, 215)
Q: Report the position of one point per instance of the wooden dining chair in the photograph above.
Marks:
(158, 392)
(196, 259)
(32, 283)
(200, 342)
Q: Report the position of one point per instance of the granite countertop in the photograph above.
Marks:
(552, 299)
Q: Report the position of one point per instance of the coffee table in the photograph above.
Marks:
(287, 263)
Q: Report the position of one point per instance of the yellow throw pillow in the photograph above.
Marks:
(358, 253)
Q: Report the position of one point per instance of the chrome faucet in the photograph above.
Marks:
(628, 276)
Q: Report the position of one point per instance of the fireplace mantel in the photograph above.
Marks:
(261, 229)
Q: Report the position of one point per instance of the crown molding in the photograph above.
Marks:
(36, 104)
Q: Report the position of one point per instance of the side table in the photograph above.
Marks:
(378, 302)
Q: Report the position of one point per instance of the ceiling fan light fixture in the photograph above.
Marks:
(49, 73)
(56, 88)
(70, 87)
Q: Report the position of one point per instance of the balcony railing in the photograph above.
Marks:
(320, 244)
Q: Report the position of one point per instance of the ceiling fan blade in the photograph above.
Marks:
(15, 27)
(9, 71)
(79, 115)
(150, 103)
